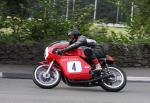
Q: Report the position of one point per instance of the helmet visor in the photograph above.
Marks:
(70, 37)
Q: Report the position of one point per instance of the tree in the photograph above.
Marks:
(139, 25)
(21, 8)
(141, 20)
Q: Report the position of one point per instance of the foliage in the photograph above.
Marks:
(50, 22)
(98, 33)
(108, 34)
(81, 18)
(114, 35)
(139, 26)
(13, 30)
(47, 25)
(29, 8)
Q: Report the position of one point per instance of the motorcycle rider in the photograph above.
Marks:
(77, 40)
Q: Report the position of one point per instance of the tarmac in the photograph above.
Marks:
(12, 71)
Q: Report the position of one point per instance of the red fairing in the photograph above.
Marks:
(75, 68)
(71, 63)
(76, 52)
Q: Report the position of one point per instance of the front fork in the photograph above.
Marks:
(49, 68)
(106, 65)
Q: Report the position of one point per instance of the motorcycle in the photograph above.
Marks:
(74, 69)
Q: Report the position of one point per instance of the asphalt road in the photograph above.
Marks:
(139, 72)
(25, 71)
(25, 91)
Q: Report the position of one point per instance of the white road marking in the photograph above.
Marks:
(1, 74)
(142, 79)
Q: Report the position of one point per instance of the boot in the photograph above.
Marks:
(98, 67)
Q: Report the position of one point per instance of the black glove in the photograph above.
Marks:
(60, 51)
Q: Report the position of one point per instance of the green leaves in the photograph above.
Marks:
(48, 24)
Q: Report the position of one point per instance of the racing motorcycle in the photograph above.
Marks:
(74, 69)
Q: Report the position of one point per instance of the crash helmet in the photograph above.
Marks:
(73, 35)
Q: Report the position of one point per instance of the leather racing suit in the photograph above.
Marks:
(85, 44)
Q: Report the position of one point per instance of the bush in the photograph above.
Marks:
(107, 34)
(47, 24)
(115, 35)
(98, 33)
(14, 30)
(17, 30)
(139, 26)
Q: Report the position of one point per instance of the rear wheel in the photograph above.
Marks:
(116, 82)
(46, 80)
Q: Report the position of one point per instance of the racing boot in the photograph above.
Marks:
(97, 70)
(98, 67)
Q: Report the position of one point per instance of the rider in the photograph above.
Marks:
(77, 40)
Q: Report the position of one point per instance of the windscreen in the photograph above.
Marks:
(59, 42)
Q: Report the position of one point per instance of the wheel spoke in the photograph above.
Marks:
(116, 81)
(46, 79)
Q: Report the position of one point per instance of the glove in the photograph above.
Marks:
(60, 51)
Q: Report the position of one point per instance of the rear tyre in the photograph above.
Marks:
(116, 82)
(46, 81)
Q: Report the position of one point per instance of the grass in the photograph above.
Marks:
(109, 34)
(117, 30)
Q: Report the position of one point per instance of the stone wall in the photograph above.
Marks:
(129, 55)
(21, 54)
(125, 55)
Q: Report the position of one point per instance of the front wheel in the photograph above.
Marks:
(46, 80)
(116, 82)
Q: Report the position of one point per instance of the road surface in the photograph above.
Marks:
(25, 91)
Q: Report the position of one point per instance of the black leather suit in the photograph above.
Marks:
(83, 43)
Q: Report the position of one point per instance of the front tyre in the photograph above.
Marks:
(44, 80)
(116, 82)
